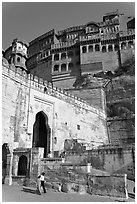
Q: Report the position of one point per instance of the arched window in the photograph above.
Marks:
(63, 55)
(56, 68)
(90, 48)
(56, 57)
(110, 48)
(43, 54)
(70, 65)
(63, 67)
(18, 59)
(70, 54)
(130, 44)
(84, 49)
(116, 47)
(104, 48)
(123, 45)
(97, 47)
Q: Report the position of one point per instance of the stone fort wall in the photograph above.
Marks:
(24, 95)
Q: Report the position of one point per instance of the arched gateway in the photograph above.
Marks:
(41, 133)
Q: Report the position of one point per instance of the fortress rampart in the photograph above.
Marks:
(42, 85)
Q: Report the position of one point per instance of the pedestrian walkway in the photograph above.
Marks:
(16, 194)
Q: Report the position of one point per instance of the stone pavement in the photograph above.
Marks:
(15, 194)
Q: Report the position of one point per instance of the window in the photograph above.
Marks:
(110, 48)
(18, 59)
(44, 54)
(78, 127)
(63, 55)
(90, 48)
(63, 67)
(84, 49)
(123, 45)
(70, 54)
(70, 65)
(104, 49)
(56, 68)
(55, 140)
(56, 57)
(47, 53)
(116, 47)
(130, 44)
(97, 47)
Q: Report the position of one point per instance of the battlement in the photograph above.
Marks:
(34, 82)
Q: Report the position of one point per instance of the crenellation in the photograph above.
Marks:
(41, 81)
(36, 79)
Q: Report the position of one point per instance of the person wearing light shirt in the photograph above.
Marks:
(42, 182)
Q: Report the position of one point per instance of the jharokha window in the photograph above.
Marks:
(104, 48)
(63, 55)
(97, 47)
(110, 48)
(90, 48)
(63, 67)
(56, 68)
(56, 57)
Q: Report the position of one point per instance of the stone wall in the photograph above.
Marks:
(110, 159)
(74, 178)
(68, 116)
(94, 96)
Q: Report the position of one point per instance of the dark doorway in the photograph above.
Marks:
(22, 166)
(5, 152)
(41, 133)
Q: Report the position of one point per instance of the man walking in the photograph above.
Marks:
(42, 182)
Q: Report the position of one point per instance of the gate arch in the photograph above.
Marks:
(41, 132)
(22, 166)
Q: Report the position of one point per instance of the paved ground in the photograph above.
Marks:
(15, 194)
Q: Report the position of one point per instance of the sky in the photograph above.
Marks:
(28, 20)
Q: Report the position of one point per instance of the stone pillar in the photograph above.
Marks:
(113, 47)
(15, 165)
(59, 67)
(93, 47)
(8, 179)
(88, 167)
(35, 164)
(107, 47)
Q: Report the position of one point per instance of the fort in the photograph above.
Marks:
(52, 99)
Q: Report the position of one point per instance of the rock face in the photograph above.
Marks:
(120, 97)
(120, 103)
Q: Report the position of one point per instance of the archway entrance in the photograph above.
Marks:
(41, 133)
(22, 166)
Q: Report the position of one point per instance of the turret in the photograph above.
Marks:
(17, 53)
